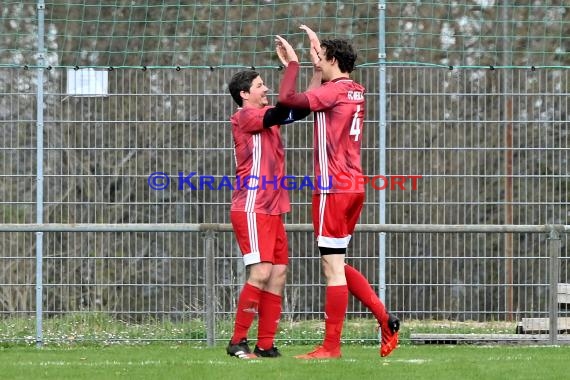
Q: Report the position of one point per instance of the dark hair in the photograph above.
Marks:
(241, 82)
(343, 51)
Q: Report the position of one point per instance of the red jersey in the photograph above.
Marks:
(260, 164)
(339, 114)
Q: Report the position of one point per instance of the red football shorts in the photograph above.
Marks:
(335, 216)
(260, 237)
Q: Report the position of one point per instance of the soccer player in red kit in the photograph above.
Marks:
(258, 202)
(338, 103)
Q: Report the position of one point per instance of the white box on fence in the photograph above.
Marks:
(87, 82)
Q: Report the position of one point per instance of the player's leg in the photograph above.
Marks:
(336, 303)
(270, 313)
(271, 297)
(336, 296)
(248, 238)
(359, 286)
(247, 308)
(388, 323)
(330, 229)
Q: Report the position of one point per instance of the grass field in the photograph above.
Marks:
(164, 361)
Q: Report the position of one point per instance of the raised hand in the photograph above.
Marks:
(285, 51)
(315, 44)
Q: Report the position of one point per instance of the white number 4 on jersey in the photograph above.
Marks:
(356, 122)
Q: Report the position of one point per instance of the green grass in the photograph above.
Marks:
(166, 361)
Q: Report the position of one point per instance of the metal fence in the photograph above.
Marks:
(491, 147)
(161, 291)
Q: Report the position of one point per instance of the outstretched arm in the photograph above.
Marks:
(315, 50)
(288, 95)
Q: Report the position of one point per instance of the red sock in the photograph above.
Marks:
(336, 302)
(269, 314)
(246, 309)
(359, 287)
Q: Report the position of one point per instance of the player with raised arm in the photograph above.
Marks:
(256, 211)
(338, 103)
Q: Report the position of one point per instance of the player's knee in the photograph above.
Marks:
(276, 282)
(279, 272)
(259, 274)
